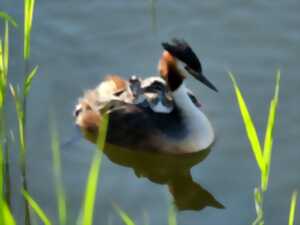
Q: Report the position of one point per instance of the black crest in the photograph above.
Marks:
(182, 51)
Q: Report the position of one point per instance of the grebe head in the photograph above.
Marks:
(177, 53)
(170, 71)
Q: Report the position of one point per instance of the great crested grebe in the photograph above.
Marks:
(155, 114)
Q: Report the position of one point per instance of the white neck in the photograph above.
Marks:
(201, 134)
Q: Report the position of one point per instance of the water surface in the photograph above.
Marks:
(75, 43)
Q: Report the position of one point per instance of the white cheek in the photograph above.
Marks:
(181, 66)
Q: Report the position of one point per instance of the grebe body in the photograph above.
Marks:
(158, 113)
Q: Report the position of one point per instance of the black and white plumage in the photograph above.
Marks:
(156, 113)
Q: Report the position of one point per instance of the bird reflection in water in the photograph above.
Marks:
(171, 170)
(158, 114)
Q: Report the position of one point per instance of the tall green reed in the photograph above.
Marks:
(88, 203)
(293, 208)
(172, 216)
(6, 217)
(4, 148)
(4, 61)
(8, 18)
(86, 215)
(263, 155)
(28, 17)
(20, 99)
(4, 58)
(37, 209)
(126, 219)
(20, 96)
(58, 181)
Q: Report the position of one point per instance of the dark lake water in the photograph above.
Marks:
(75, 43)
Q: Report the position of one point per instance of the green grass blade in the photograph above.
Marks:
(28, 15)
(8, 18)
(172, 216)
(249, 125)
(2, 73)
(2, 78)
(258, 198)
(1, 180)
(102, 132)
(26, 33)
(60, 192)
(4, 56)
(1, 58)
(26, 29)
(6, 51)
(268, 143)
(1, 98)
(37, 209)
(268, 146)
(91, 189)
(8, 218)
(124, 216)
(271, 119)
(22, 147)
(293, 208)
(7, 181)
(20, 117)
(28, 80)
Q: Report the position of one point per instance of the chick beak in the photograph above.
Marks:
(199, 76)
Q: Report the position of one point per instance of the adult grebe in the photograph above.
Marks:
(155, 114)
